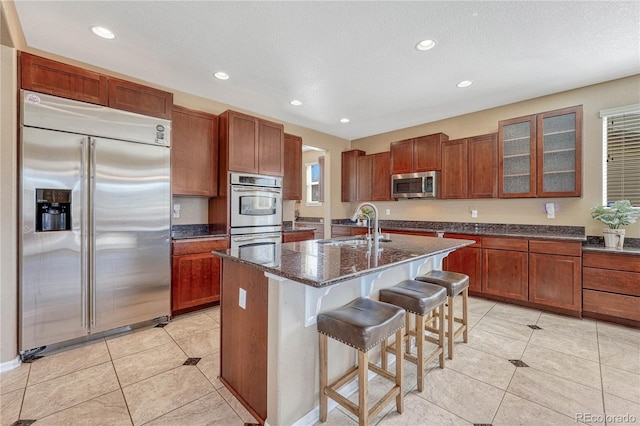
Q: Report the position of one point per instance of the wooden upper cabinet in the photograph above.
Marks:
(129, 96)
(427, 152)
(270, 148)
(363, 177)
(541, 155)
(381, 176)
(402, 156)
(482, 174)
(194, 153)
(453, 179)
(292, 179)
(55, 78)
(349, 175)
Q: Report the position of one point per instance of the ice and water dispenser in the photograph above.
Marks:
(53, 210)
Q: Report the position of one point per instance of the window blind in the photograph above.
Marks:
(623, 157)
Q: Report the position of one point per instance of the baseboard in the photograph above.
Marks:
(10, 365)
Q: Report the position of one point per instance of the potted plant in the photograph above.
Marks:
(615, 215)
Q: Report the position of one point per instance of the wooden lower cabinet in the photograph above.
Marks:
(243, 337)
(466, 260)
(290, 237)
(505, 273)
(347, 231)
(195, 274)
(555, 280)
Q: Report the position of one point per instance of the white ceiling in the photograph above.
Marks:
(349, 59)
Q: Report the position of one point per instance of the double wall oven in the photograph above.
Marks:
(256, 217)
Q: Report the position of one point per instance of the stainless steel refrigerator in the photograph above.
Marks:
(94, 221)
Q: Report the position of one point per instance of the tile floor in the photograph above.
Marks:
(578, 371)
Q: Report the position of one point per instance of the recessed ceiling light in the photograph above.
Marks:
(465, 83)
(295, 102)
(344, 120)
(103, 32)
(426, 44)
(221, 75)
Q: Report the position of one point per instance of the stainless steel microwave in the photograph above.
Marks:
(415, 185)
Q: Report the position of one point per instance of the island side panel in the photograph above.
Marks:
(243, 337)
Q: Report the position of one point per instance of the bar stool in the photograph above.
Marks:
(420, 299)
(361, 324)
(455, 283)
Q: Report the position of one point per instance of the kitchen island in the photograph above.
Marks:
(270, 301)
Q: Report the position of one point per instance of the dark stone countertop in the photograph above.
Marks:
(289, 226)
(570, 233)
(181, 232)
(319, 264)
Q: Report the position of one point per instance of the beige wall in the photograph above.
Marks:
(569, 211)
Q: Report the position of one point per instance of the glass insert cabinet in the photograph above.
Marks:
(541, 155)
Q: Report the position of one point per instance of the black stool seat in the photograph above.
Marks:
(454, 282)
(415, 296)
(363, 323)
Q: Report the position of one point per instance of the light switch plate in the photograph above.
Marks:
(242, 298)
(474, 213)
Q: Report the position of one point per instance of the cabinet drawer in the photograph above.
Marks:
(290, 237)
(620, 262)
(205, 245)
(611, 304)
(566, 248)
(614, 281)
(477, 239)
(516, 244)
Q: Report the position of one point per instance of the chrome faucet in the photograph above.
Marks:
(376, 231)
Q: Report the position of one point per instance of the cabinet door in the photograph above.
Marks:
(194, 153)
(555, 280)
(242, 142)
(55, 78)
(196, 280)
(517, 157)
(363, 177)
(270, 148)
(349, 170)
(559, 153)
(454, 169)
(381, 177)
(292, 179)
(483, 166)
(402, 156)
(505, 273)
(129, 96)
(466, 260)
(427, 152)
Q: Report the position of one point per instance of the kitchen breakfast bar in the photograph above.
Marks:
(269, 303)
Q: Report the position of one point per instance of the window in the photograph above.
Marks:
(622, 154)
(313, 184)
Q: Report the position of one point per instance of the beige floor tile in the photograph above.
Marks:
(142, 365)
(57, 394)
(471, 399)
(621, 383)
(567, 325)
(199, 345)
(211, 409)
(569, 367)
(576, 344)
(495, 344)
(515, 411)
(68, 361)
(10, 404)
(482, 366)
(377, 388)
(213, 313)
(619, 352)
(418, 411)
(513, 313)
(163, 393)
(555, 393)
(509, 329)
(137, 341)
(620, 411)
(106, 410)
(337, 417)
(629, 335)
(15, 379)
(236, 406)
(186, 325)
(210, 367)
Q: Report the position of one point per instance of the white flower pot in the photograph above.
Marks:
(613, 238)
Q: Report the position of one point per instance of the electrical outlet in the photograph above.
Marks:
(551, 210)
(242, 298)
(176, 211)
(387, 212)
(474, 212)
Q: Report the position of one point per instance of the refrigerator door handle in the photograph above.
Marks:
(92, 230)
(84, 257)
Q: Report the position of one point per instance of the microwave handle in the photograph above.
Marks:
(256, 237)
(273, 191)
